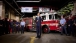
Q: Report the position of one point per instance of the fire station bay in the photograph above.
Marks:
(37, 21)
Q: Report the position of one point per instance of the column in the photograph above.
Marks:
(2, 9)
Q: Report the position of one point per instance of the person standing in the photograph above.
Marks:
(7, 26)
(38, 25)
(22, 25)
(1, 26)
(17, 26)
(12, 26)
(74, 28)
(63, 26)
(70, 25)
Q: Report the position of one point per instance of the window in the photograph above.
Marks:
(44, 17)
(57, 16)
(50, 16)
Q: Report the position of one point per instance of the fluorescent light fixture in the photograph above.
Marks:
(28, 1)
(27, 9)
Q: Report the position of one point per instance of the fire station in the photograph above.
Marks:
(19, 21)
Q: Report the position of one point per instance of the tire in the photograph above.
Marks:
(45, 29)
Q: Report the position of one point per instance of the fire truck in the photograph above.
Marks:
(50, 22)
(28, 21)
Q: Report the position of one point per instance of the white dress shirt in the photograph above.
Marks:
(22, 23)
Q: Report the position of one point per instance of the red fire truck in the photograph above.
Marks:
(28, 25)
(50, 22)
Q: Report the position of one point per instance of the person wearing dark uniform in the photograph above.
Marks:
(12, 26)
(1, 26)
(6, 26)
(74, 28)
(38, 25)
(70, 25)
(17, 26)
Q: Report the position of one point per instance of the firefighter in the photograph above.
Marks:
(63, 25)
(6, 26)
(74, 28)
(1, 26)
(70, 25)
(12, 26)
(17, 26)
(38, 25)
(22, 25)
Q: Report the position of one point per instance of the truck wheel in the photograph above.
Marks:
(45, 29)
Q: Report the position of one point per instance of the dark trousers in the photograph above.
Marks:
(17, 29)
(38, 30)
(63, 28)
(22, 29)
(13, 29)
(74, 30)
(69, 30)
(1, 30)
(6, 30)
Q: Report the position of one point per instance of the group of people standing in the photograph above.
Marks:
(68, 26)
(4, 26)
(17, 26)
(7, 26)
(11, 26)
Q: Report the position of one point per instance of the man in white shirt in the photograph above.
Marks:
(63, 27)
(22, 25)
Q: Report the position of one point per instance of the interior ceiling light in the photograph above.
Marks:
(28, 1)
